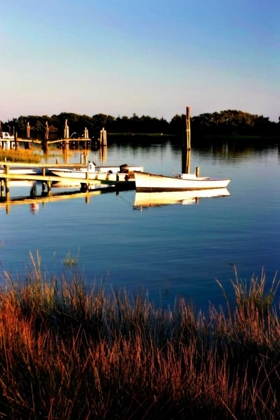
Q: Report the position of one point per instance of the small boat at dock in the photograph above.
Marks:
(145, 181)
(96, 172)
(19, 171)
(92, 184)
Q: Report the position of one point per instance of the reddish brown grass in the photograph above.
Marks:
(72, 354)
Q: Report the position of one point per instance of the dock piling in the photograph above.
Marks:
(28, 130)
(47, 130)
(103, 137)
(186, 152)
(188, 127)
(2, 187)
(66, 130)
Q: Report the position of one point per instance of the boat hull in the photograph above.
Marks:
(151, 182)
(115, 169)
(23, 171)
(100, 176)
(113, 173)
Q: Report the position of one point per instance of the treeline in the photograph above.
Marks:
(230, 122)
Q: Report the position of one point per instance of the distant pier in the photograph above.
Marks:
(68, 141)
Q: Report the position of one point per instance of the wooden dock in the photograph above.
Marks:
(118, 181)
(65, 143)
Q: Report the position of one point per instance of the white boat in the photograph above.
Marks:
(115, 169)
(6, 136)
(93, 184)
(20, 171)
(154, 199)
(145, 181)
(91, 171)
(20, 183)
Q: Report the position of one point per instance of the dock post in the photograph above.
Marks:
(45, 146)
(27, 145)
(197, 171)
(86, 137)
(28, 130)
(15, 138)
(103, 137)
(2, 187)
(47, 130)
(49, 184)
(188, 127)
(66, 130)
(186, 161)
(33, 190)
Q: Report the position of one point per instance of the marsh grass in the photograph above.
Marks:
(66, 352)
(20, 155)
(70, 260)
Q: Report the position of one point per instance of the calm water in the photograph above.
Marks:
(170, 250)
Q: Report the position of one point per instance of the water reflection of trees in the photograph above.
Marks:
(216, 147)
(234, 148)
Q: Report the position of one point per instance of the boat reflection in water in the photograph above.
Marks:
(154, 199)
(34, 208)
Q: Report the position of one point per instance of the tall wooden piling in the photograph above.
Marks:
(15, 137)
(66, 130)
(47, 130)
(45, 142)
(28, 130)
(27, 145)
(186, 149)
(103, 137)
(188, 127)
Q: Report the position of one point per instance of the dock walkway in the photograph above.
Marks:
(119, 181)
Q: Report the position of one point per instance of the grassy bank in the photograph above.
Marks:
(20, 155)
(66, 353)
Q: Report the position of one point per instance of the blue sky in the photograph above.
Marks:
(154, 57)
